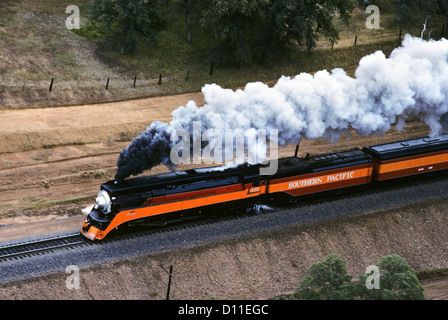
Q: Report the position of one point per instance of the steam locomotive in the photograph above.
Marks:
(188, 194)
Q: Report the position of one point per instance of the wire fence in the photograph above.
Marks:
(139, 85)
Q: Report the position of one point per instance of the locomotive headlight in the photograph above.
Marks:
(103, 202)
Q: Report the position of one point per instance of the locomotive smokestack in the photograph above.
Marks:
(297, 150)
(413, 80)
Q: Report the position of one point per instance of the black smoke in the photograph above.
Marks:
(149, 149)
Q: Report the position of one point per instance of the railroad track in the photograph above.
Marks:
(32, 247)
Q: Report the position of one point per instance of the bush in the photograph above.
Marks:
(397, 282)
(329, 280)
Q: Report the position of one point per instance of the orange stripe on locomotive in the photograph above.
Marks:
(397, 168)
(323, 181)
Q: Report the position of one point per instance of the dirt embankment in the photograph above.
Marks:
(52, 157)
(266, 265)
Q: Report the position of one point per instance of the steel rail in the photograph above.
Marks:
(40, 245)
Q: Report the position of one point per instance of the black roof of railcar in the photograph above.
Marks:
(338, 160)
(291, 166)
(330, 161)
(142, 184)
(406, 148)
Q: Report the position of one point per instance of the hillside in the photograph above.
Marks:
(36, 46)
(262, 266)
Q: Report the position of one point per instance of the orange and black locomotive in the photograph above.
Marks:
(191, 193)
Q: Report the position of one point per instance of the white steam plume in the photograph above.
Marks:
(412, 81)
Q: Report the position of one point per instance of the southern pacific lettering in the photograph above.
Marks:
(319, 180)
(304, 183)
(188, 194)
(325, 180)
(341, 176)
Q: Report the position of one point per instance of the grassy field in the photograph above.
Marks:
(36, 47)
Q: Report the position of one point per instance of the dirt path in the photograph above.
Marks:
(51, 156)
(436, 289)
(150, 109)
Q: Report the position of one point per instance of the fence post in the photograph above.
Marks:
(188, 74)
(51, 84)
(169, 283)
(135, 79)
(211, 68)
(107, 84)
(356, 39)
(160, 79)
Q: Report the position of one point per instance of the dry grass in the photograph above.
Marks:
(36, 46)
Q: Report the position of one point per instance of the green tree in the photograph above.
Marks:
(230, 22)
(303, 21)
(192, 10)
(243, 27)
(128, 21)
(413, 13)
(327, 280)
(442, 9)
(397, 282)
(188, 7)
